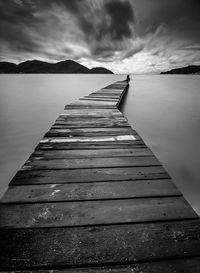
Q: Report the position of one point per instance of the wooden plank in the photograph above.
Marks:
(69, 125)
(187, 265)
(86, 163)
(95, 119)
(101, 97)
(93, 103)
(85, 132)
(108, 91)
(104, 124)
(57, 154)
(100, 100)
(89, 106)
(104, 118)
(109, 112)
(91, 145)
(101, 130)
(112, 90)
(88, 175)
(90, 115)
(104, 95)
(91, 124)
(94, 212)
(92, 110)
(52, 247)
(94, 145)
(71, 132)
(115, 138)
(90, 191)
(115, 87)
(89, 118)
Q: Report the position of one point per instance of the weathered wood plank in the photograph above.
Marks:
(115, 87)
(108, 112)
(104, 95)
(56, 154)
(107, 91)
(88, 175)
(187, 265)
(94, 119)
(91, 145)
(110, 90)
(90, 191)
(85, 132)
(93, 103)
(92, 123)
(98, 245)
(75, 110)
(99, 100)
(101, 97)
(115, 138)
(86, 163)
(89, 115)
(91, 119)
(94, 212)
(89, 106)
(99, 122)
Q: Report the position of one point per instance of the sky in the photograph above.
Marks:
(126, 36)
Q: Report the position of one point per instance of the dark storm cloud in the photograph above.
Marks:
(155, 33)
(122, 18)
(102, 27)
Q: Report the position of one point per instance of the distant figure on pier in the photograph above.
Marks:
(128, 79)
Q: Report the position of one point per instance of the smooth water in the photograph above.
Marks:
(165, 110)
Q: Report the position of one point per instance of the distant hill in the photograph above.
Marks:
(191, 69)
(7, 67)
(63, 67)
(100, 70)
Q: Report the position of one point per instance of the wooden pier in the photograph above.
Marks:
(93, 198)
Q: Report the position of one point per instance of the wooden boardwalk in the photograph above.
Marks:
(93, 198)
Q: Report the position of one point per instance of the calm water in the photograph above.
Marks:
(165, 110)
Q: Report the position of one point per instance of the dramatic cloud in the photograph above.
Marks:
(123, 35)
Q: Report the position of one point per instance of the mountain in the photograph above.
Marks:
(100, 70)
(65, 67)
(191, 69)
(7, 67)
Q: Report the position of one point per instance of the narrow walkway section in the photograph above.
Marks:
(93, 198)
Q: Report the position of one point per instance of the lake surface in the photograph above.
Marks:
(164, 109)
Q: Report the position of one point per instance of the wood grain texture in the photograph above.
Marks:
(90, 191)
(94, 212)
(89, 124)
(89, 246)
(88, 175)
(91, 118)
(75, 111)
(93, 145)
(187, 265)
(85, 132)
(86, 163)
(115, 138)
(57, 154)
(93, 104)
(91, 139)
